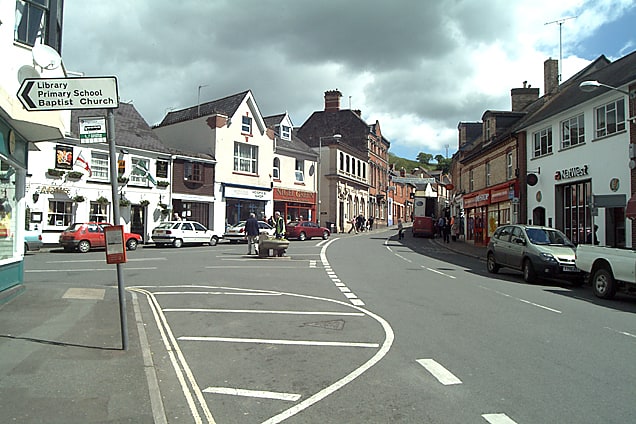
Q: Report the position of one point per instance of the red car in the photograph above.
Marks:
(90, 235)
(303, 230)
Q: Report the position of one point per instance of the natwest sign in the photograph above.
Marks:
(574, 172)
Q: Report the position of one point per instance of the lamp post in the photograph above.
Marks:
(336, 136)
(588, 86)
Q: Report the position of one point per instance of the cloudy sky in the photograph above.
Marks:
(419, 67)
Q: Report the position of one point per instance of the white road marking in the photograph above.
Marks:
(357, 302)
(253, 267)
(88, 269)
(522, 300)
(438, 272)
(220, 292)
(104, 260)
(344, 289)
(276, 342)
(498, 419)
(624, 333)
(439, 372)
(256, 311)
(253, 393)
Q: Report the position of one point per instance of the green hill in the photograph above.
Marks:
(407, 164)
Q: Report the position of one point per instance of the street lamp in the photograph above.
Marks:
(336, 136)
(589, 86)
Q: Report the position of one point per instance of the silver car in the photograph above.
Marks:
(536, 251)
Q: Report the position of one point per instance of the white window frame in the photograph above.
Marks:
(99, 212)
(100, 165)
(604, 114)
(29, 9)
(509, 168)
(245, 158)
(542, 142)
(246, 125)
(285, 132)
(487, 174)
(276, 169)
(300, 171)
(60, 213)
(573, 131)
(136, 176)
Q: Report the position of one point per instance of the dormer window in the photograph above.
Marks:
(285, 132)
(487, 134)
(246, 125)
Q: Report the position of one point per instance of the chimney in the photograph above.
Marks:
(358, 112)
(550, 76)
(332, 100)
(522, 97)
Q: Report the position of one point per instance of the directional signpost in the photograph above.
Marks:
(42, 94)
(37, 94)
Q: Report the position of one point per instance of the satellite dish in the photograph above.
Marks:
(46, 57)
(27, 71)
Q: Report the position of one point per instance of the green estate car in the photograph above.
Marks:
(538, 252)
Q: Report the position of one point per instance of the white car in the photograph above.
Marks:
(237, 232)
(178, 233)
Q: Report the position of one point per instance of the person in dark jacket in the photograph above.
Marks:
(251, 229)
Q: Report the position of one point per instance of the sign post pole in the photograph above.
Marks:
(121, 286)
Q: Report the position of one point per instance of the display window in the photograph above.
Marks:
(8, 212)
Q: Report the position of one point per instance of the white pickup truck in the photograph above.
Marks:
(610, 269)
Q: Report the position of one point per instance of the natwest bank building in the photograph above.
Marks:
(489, 208)
(295, 204)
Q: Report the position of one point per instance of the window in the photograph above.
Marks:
(285, 132)
(471, 181)
(276, 170)
(509, 168)
(543, 142)
(99, 165)
(300, 171)
(572, 132)
(487, 174)
(140, 173)
(348, 168)
(245, 158)
(98, 212)
(60, 213)
(246, 125)
(610, 118)
(193, 171)
(353, 166)
(31, 21)
(342, 161)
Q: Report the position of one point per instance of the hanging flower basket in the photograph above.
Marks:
(144, 203)
(55, 172)
(78, 199)
(74, 175)
(102, 200)
(122, 180)
(163, 183)
(124, 202)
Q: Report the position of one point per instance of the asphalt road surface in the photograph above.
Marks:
(368, 329)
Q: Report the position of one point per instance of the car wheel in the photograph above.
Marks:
(302, 236)
(603, 283)
(214, 241)
(529, 275)
(177, 243)
(26, 247)
(131, 244)
(491, 264)
(325, 235)
(84, 246)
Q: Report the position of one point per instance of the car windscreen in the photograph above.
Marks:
(547, 237)
(167, 225)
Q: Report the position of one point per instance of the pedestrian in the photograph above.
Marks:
(251, 228)
(353, 226)
(176, 217)
(370, 223)
(454, 228)
(279, 225)
(592, 237)
(440, 226)
(447, 229)
(400, 230)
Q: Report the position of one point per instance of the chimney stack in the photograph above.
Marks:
(332, 100)
(550, 76)
(522, 97)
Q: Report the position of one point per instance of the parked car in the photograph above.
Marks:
(32, 240)
(610, 269)
(178, 233)
(90, 235)
(237, 233)
(303, 230)
(536, 251)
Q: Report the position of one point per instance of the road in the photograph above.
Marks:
(366, 329)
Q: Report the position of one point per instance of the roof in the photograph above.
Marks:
(295, 144)
(345, 122)
(226, 106)
(131, 130)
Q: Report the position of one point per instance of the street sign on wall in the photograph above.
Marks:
(40, 94)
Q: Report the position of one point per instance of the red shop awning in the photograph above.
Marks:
(630, 211)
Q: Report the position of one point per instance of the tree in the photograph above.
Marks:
(424, 158)
(439, 158)
(443, 164)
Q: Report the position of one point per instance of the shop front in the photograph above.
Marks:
(240, 201)
(295, 205)
(488, 209)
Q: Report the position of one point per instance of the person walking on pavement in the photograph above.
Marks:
(400, 230)
(279, 223)
(447, 230)
(353, 226)
(251, 228)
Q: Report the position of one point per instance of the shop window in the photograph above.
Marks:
(8, 210)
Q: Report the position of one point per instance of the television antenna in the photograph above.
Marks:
(560, 22)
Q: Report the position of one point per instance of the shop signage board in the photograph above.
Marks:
(41, 94)
(92, 130)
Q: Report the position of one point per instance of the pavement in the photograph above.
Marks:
(61, 356)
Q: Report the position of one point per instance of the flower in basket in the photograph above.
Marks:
(124, 202)
(79, 198)
(102, 200)
(144, 202)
